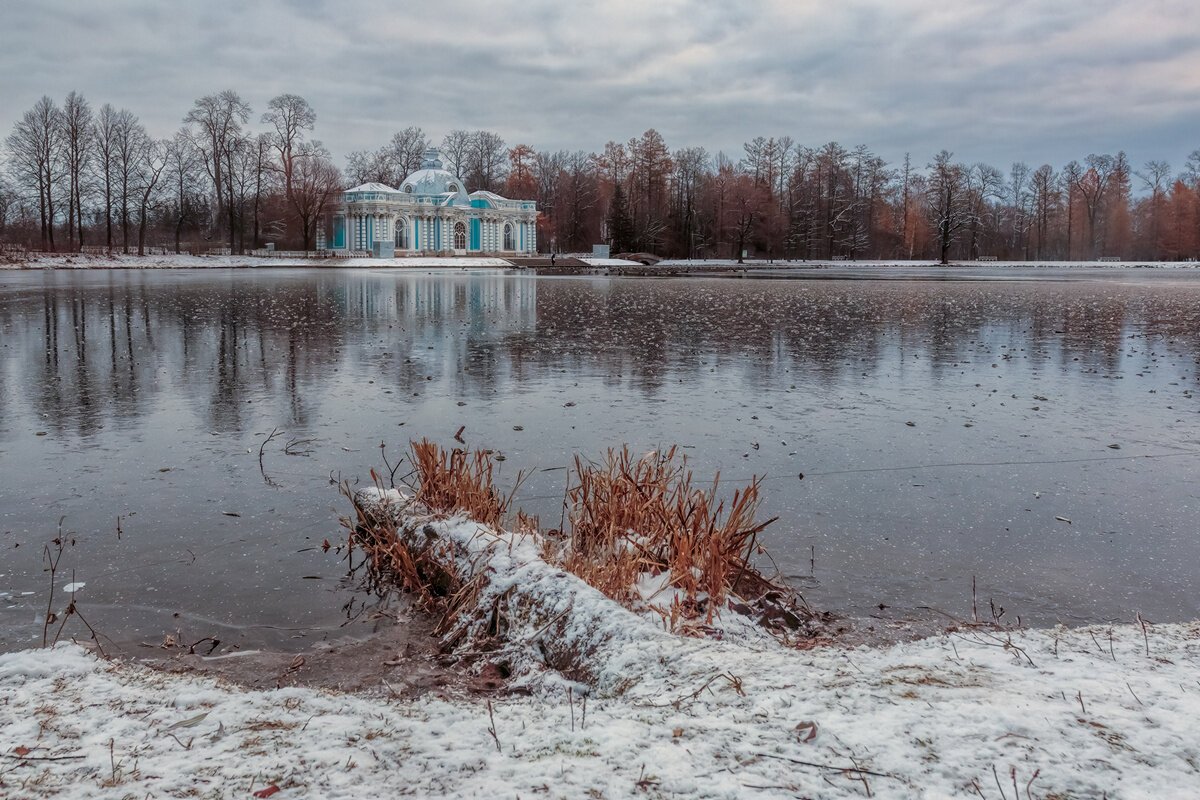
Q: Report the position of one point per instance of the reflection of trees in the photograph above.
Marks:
(91, 349)
(648, 330)
(82, 347)
(94, 350)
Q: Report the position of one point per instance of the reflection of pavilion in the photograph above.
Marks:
(501, 302)
(431, 212)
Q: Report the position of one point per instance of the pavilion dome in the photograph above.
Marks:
(372, 187)
(432, 179)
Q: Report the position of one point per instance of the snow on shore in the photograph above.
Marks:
(1068, 713)
(171, 261)
(932, 718)
(777, 263)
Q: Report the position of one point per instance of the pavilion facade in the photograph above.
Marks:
(431, 212)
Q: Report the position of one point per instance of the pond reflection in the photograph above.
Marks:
(944, 428)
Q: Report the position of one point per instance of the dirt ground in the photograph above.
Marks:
(402, 657)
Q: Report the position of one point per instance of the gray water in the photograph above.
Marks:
(945, 423)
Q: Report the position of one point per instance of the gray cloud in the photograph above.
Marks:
(992, 80)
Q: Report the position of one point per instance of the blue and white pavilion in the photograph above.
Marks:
(431, 212)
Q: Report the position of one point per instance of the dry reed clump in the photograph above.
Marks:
(629, 516)
(417, 560)
(453, 480)
(412, 559)
(636, 515)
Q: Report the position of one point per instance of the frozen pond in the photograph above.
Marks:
(946, 429)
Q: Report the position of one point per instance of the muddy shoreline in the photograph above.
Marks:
(403, 659)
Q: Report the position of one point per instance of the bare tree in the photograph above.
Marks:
(8, 200)
(577, 190)
(651, 166)
(36, 147)
(692, 168)
(316, 181)
(290, 116)
(128, 143)
(1155, 176)
(77, 134)
(218, 119)
(1071, 176)
(365, 166)
(150, 160)
(456, 151)
(1046, 198)
(405, 152)
(748, 203)
(983, 185)
(949, 208)
(183, 166)
(785, 154)
(108, 126)
(1016, 217)
(488, 156)
(392, 163)
(244, 160)
(548, 170)
(1094, 187)
(754, 164)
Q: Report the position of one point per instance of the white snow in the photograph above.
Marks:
(778, 263)
(609, 262)
(932, 717)
(74, 586)
(170, 261)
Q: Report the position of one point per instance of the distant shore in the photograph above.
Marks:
(616, 266)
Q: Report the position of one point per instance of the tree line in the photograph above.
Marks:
(71, 176)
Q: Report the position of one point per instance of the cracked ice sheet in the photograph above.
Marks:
(933, 715)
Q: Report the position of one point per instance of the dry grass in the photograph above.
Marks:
(401, 556)
(628, 516)
(454, 480)
(635, 515)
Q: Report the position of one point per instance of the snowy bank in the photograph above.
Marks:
(547, 628)
(611, 704)
(1087, 714)
(184, 261)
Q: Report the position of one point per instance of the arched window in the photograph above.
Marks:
(460, 236)
(508, 237)
(402, 234)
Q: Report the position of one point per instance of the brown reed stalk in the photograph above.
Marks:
(455, 480)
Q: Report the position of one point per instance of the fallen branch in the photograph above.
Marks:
(40, 758)
(830, 767)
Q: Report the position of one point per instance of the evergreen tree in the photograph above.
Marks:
(620, 226)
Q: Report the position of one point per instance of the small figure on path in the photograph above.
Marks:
(552, 259)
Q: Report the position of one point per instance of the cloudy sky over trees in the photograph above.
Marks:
(997, 80)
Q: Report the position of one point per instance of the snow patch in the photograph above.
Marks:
(926, 719)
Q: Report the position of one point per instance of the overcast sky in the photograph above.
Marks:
(990, 80)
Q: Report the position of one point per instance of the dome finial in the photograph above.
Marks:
(432, 160)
